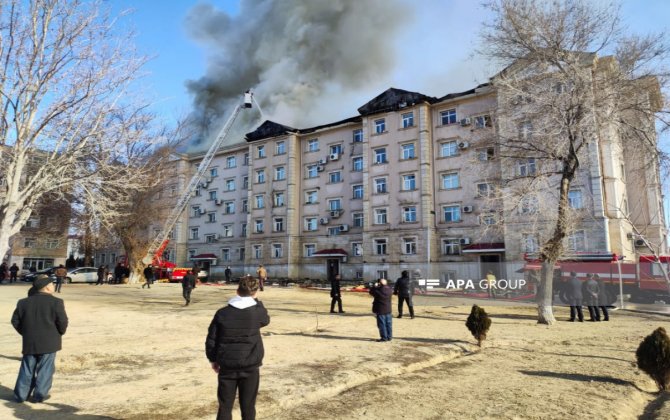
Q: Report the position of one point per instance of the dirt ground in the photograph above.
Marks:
(139, 354)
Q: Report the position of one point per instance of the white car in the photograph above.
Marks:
(81, 275)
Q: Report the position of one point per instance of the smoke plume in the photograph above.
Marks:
(301, 58)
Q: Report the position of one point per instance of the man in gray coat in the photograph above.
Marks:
(41, 320)
(575, 297)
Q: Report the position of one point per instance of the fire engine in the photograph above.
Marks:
(644, 280)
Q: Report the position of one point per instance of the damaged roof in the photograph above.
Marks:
(393, 99)
(269, 129)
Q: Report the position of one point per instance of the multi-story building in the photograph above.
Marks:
(406, 184)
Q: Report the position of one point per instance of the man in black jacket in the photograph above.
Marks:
(41, 320)
(404, 289)
(575, 297)
(149, 276)
(335, 295)
(187, 285)
(381, 307)
(234, 347)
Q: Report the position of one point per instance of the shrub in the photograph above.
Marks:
(653, 357)
(478, 323)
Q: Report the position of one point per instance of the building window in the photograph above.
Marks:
(336, 149)
(213, 172)
(243, 231)
(260, 201)
(198, 193)
(312, 171)
(280, 148)
(230, 184)
(210, 238)
(409, 182)
(380, 186)
(211, 217)
(450, 181)
(280, 173)
(245, 206)
(310, 224)
(245, 182)
(332, 231)
(356, 249)
(191, 253)
(382, 274)
(335, 204)
(452, 213)
(335, 177)
(260, 176)
(277, 251)
(528, 205)
(357, 192)
(409, 214)
(483, 121)
(33, 222)
(311, 197)
(242, 252)
(408, 120)
(380, 155)
(313, 145)
(381, 216)
(246, 159)
(448, 117)
(231, 162)
(408, 151)
(484, 189)
(173, 190)
(278, 199)
(526, 167)
(212, 195)
(449, 148)
(357, 164)
(194, 233)
(227, 231)
(258, 226)
(529, 243)
(261, 152)
(575, 199)
(380, 126)
(409, 246)
(279, 224)
(526, 131)
(358, 219)
(380, 246)
(258, 251)
(577, 241)
(310, 249)
(225, 254)
(486, 153)
(195, 211)
(357, 136)
(487, 219)
(451, 246)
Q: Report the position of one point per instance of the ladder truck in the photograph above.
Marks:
(155, 251)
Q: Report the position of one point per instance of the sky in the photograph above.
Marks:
(432, 46)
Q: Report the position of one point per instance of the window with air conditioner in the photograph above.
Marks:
(451, 246)
(483, 121)
(448, 117)
(452, 213)
(332, 231)
(311, 224)
(312, 171)
(449, 148)
(335, 204)
(336, 149)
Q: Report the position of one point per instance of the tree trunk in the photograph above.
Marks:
(545, 310)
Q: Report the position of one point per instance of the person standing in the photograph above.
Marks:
(149, 276)
(262, 274)
(118, 273)
(4, 272)
(61, 273)
(101, 275)
(603, 297)
(228, 273)
(336, 295)
(404, 289)
(575, 297)
(13, 273)
(187, 285)
(491, 282)
(234, 347)
(381, 307)
(590, 293)
(41, 320)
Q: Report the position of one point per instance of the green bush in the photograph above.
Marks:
(653, 357)
(478, 323)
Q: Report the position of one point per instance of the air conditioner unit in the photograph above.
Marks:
(468, 209)
(639, 242)
(323, 161)
(324, 220)
(465, 241)
(218, 202)
(344, 228)
(463, 145)
(335, 213)
(465, 121)
(319, 168)
(334, 156)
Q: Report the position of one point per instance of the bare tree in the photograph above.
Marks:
(574, 87)
(65, 100)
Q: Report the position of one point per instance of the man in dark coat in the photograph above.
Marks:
(149, 276)
(101, 275)
(228, 273)
(234, 347)
(188, 284)
(404, 289)
(575, 297)
(13, 273)
(336, 295)
(41, 320)
(61, 274)
(590, 294)
(381, 307)
(603, 297)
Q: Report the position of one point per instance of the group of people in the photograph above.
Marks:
(9, 273)
(592, 293)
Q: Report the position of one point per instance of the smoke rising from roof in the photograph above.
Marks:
(298, 57)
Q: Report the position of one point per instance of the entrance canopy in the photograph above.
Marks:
(204, 257)
(484, 247)
(333, 252)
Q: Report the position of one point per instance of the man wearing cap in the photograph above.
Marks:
(381, 307)
(41, 320)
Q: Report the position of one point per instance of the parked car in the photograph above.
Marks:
(30, 277)
(81, 275)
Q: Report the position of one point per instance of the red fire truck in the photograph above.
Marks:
(643, 280)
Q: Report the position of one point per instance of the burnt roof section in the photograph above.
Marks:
(320, 127)
(269, 129)
(465, 93)
(393, 99)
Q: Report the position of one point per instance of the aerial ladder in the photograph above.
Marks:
(160, 241)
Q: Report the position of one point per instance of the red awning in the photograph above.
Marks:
(485, 247)
(333, 252)
(204, 257)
